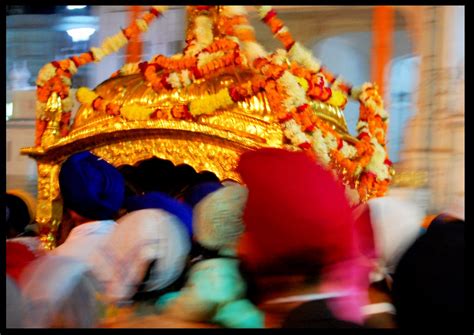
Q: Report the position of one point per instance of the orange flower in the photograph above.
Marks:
(275, 24)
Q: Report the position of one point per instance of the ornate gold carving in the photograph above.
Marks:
(49, 208)
(53, 114)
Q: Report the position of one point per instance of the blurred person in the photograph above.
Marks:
(193, 195)
(21, 211)
(61, 292)
(429, 284)
(298, 249)
(215, 290)
(16, 307)
(160, 200)
(93, 192)
(144, 256)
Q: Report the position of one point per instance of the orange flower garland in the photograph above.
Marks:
(56, 76)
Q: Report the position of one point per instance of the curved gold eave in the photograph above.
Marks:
(206, 146)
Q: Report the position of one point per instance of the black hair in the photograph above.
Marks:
(19, 216)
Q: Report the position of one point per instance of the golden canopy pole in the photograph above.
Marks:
(382, 41)
(135, 46)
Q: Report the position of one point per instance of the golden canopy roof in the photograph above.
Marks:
(204, 107)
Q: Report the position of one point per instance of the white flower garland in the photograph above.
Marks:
(293, 132)
(253, 50)
(263, 11)
(174, 80)
(304, 57)
(47, 72)
(231, 11)
(129, 68)
(206, 57)
(347, 150)
(376, 164)
(320, 148)
(296, 94)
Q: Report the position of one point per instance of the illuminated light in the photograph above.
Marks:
(9, 110)
(75, 7)
(80, 34)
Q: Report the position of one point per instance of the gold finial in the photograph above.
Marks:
(53, 113)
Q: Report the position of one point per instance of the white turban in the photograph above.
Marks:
(140, 238)
(217, 218)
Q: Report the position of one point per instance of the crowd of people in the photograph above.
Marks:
(285, 249)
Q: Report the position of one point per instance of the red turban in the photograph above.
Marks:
(296, 206)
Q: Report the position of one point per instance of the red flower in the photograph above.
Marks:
(234, 94)
(197, 74)
(301, 108)
(310, 128)
(165, 83)
(388, 162)
(340, 143)
(362, 135)
(305, 145)
(269, 16)
(155, 12)
(285, 118)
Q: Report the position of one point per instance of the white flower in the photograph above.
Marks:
(362, 126)
(98, 54)
(203, 31)
(114, 43)
(296, 94)
(347, 150)
(186, 78)
(331, 141)
(253, 50)
(263, 11)
(72, 68)
(303, 56)
(173, 80)
(231, 11)
(206, 57)
(282, 30)
(319, 147)
(142, 25)
(377, 162)
(293, 132)
(47, 72)
(279, 57)
(129, 68)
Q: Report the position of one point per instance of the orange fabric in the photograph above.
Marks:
(383, 22)
(134, 47)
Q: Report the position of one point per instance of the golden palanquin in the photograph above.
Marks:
(207, 142)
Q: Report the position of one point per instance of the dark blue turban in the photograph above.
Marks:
(91, 187)
(162, 201)
(196, 193)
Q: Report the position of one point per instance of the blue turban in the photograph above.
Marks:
(162, 201)
(199, 191)
(91, 187)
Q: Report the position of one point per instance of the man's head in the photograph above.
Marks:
(91, 187)
(297, 213)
